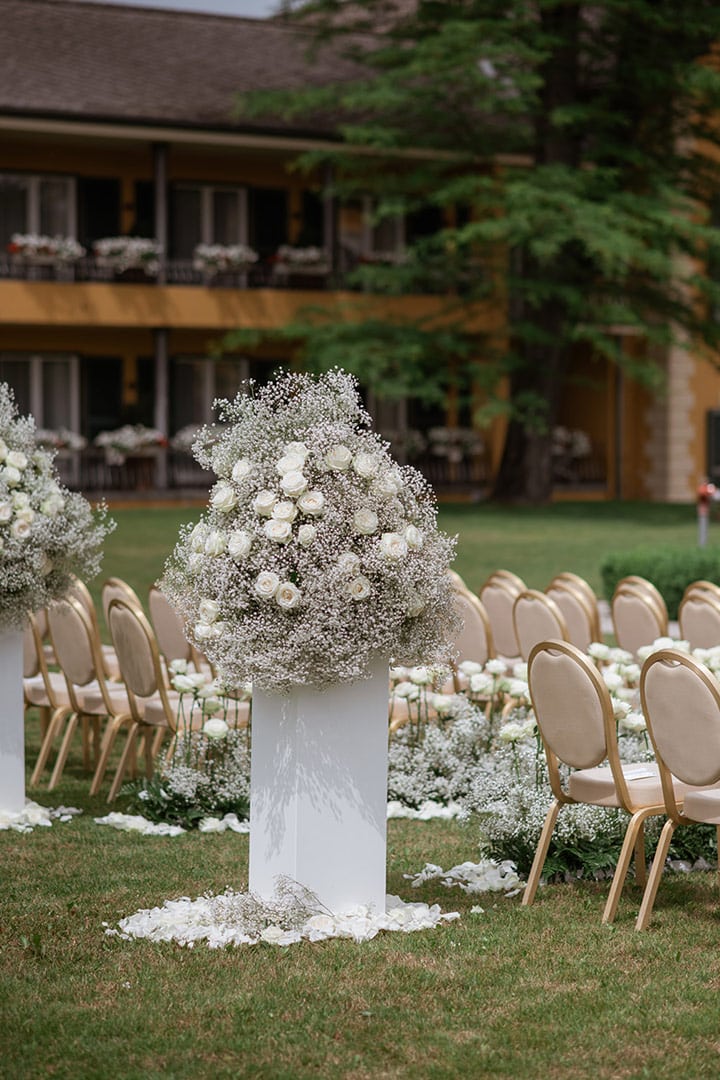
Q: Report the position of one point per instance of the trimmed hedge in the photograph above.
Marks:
(671, 570)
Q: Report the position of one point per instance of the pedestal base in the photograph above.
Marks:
(318, 798)
(12, 722)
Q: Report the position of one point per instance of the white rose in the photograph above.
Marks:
(203, 632)
(3, 450)
(178, 667)
(285, 510)
(196, 561)
(241, 469)
(599, 650)
(216, 728)
(12, 475)
(312, 503)
(290, 463)
(17, 459)
(182, 683)
(389, 484)
(416, 605)
(348, 563)
(365, 522)
(5, 512)
(26, 514)
(470, 667)
(414, 538)
(393, 546)
(208, 611)
(293, 483)
(198, 537)
(52, 505)
(288, 596)
(279, 531)
(224, 498)
(366, 465)
(20, 500)
(20, 529)
(266, 584)
(359, 588)
(496, 667)
(306, 534)
(211, 706)
(216, 543)
(263, 503)
(239, 544)
(420, 676)
(339, 458)
(298, 448)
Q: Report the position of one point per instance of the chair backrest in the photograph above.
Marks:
(76, 648)
(704, 588)
(474, 641)
(115, 588)
(579, 583)
(456, 580)
(699, 619)
(681, 703)
(537, 618)
(650, 590)
(138, 655)
(636, 619)
(32, 647)
(572, 704)
(581, 622)
(497, 597)
(168, 627)
(508, 575)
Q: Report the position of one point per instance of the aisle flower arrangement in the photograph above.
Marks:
(47, 533)
(317, 553)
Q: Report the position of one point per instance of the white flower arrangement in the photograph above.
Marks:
(128, 253)
(298, 259)
(318, 550)
(47, 533)
(61, 439)
(220, 258)
(127, 440)
(47, 249)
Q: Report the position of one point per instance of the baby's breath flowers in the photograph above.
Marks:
(47, 533)
(319, 551)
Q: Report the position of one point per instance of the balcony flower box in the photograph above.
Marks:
(128, 253)
(214, 259)
(310, 261)
(44, 250)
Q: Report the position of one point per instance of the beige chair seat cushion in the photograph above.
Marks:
(703, 805)
(35, 689)
(597, 787)
(92, 702)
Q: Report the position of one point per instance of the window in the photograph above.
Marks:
(36, 204)
(195, 383)
(364, 236)
(45, 386)
(206, 215)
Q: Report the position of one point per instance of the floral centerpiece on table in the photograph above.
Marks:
(317, 553)
(45, 249)
(223, 258)
(128, 253)
(47, 533)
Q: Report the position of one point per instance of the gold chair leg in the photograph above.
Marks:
(128, 752)
(158, 741)
(48, 740)
(631, 836)
(107, 744)
(64, 750)
(540, 854)
(639, 859)
(656, 871)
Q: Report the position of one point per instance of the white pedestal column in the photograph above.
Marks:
(318, 798)
(12, 722)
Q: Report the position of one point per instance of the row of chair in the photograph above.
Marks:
(574, 713)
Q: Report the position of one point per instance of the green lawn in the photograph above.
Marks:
(513, 994)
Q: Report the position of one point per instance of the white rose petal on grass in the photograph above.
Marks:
(285, 510)
(359, 588)
(224, 497)
(266, 584)
(339, 458)
(348, 563)
(393, 546)
(215, 728)
(414, 538)
(305, 535)
(312, 503)
(264, 502)
(239, 544)
(216, 543)
(288, 596)
(366, 465)
(365, 522)
(293, 483)
(278, 531)
(241, 470)
(290, 463)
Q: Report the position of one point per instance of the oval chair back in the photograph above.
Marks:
(637, 621)
(168, 627)
(474, 641)
(582, 626)
(699, 619)
(650, 590)
(497, 597)
(115, 588)
(139, 658)
(537, 618)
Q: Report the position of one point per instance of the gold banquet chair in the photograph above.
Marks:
(699, 619)
(681, 702)
(637, 619)
(497, 596)
(80, 592)
(42, 689)
(649, 589)
(579, 605)
(170, 633)
(536, 618)
(575, 717)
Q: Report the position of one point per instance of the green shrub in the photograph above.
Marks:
(671, 570)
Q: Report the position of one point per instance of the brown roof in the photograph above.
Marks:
(77, 60)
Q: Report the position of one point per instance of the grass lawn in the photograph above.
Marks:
(511, 993)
